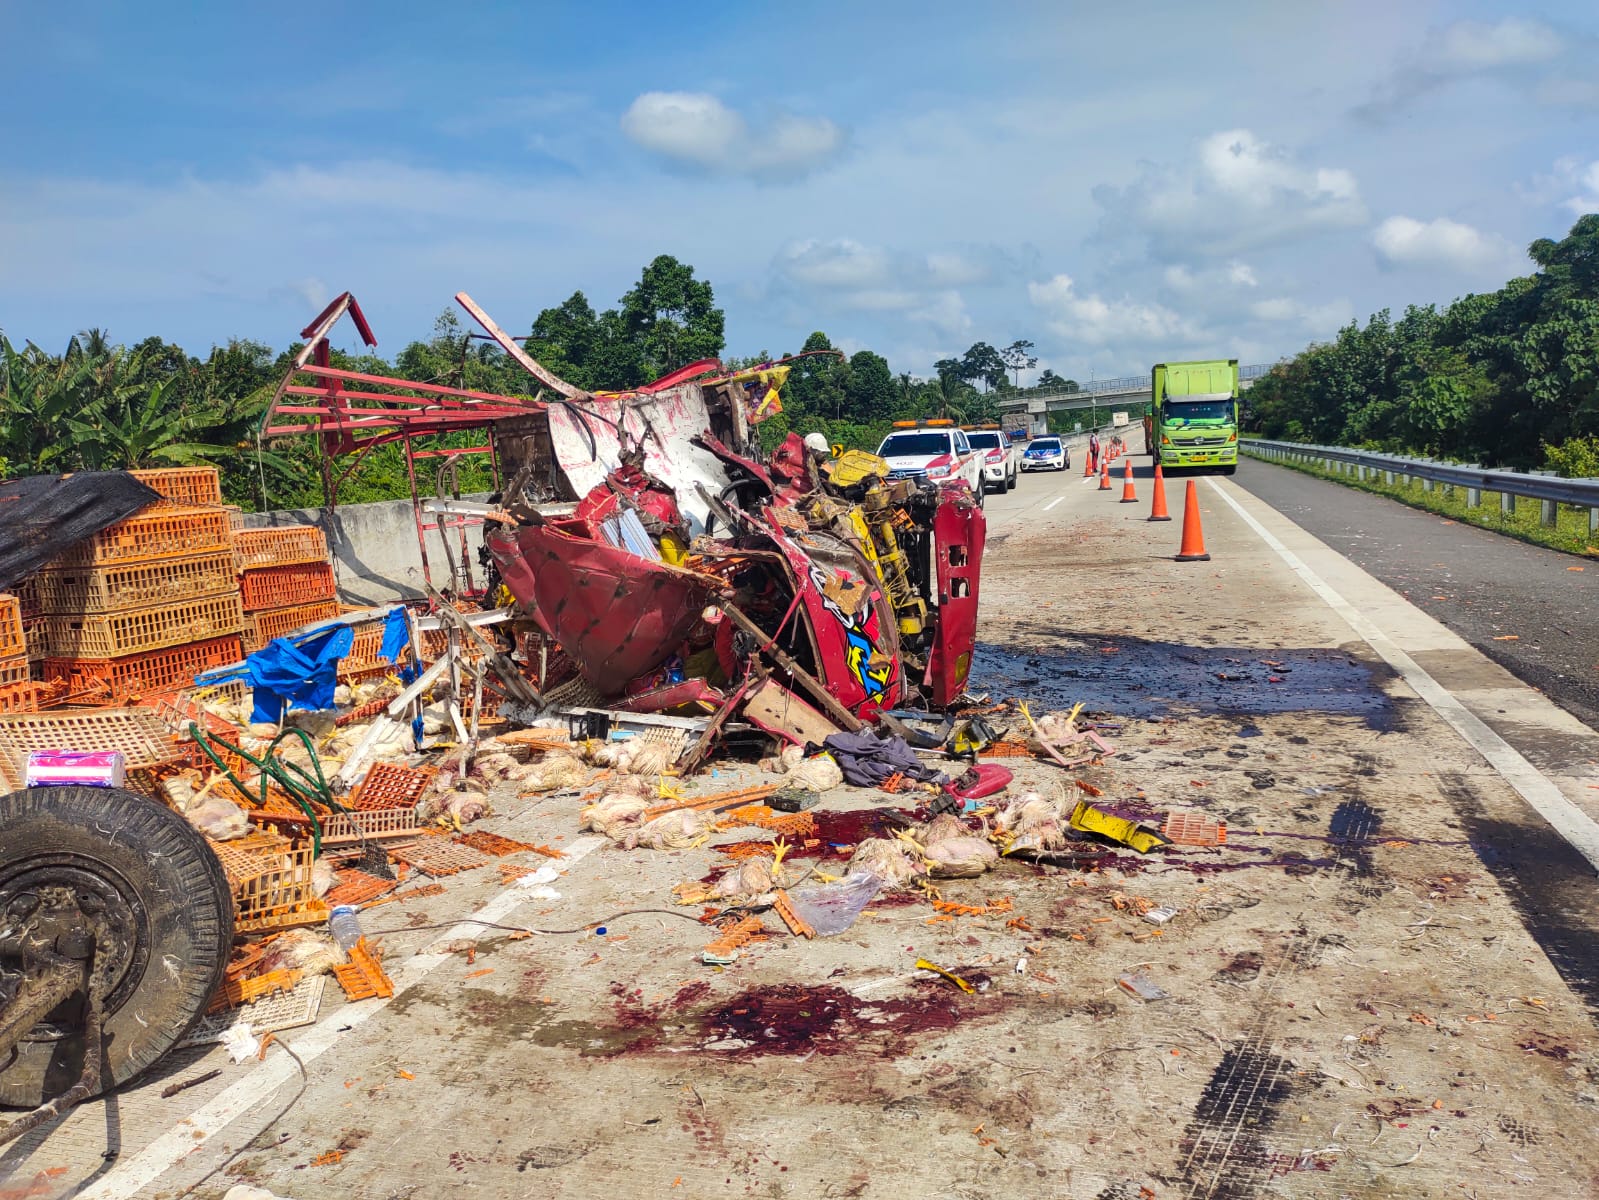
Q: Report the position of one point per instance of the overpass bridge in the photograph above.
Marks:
(1035, 404)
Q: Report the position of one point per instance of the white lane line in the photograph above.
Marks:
(131, 1177)
(1541, 795)
(1053, 503)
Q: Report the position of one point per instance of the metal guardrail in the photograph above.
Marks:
(1550, 489)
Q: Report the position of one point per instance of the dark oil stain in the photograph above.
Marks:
(1548, 882)
(1353, 825)
(1243, 968)
(1144, 678)
(1224, 1154)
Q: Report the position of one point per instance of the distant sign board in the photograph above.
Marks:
(1118, 418)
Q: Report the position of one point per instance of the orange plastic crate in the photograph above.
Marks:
(110, 635)
(271, 879)
(153, 671)
(29, 697)
(14, 670)
(12, 641)
(155, 533)
(279, 546)
(34, 636)
(261, 627)
(184, 485)
(390, 785)
(27, 593)
(296, 583)
(74, 590)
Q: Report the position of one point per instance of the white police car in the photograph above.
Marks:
(1046, 454)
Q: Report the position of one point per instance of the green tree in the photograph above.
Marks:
(1018, 357)
(870, 394)
(671, 318)
(982, 364)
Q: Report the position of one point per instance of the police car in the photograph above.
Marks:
(1046, 454)
(934, 451)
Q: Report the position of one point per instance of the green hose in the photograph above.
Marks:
(305, 788)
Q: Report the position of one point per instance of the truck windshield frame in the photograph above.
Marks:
(1177, 409)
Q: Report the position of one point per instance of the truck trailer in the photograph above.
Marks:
(1193, 415)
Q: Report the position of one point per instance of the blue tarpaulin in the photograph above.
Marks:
(297, 676)
(300, 671)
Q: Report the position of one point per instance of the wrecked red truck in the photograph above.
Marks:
(664, 562)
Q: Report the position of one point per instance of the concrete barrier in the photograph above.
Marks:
(374, 548)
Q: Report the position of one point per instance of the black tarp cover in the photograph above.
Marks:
(42, 515)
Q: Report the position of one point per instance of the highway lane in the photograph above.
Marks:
(1533, 611)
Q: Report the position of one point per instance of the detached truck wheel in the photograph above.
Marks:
(166, 916)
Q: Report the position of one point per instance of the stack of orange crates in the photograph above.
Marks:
(147, 603)
(285, 580)
(13, 645)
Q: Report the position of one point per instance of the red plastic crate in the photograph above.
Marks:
(184, 485)
(135, 630)
(155, 533)
(261, 627)
(74, 590)
(295, 583)
(155, 671)
(279, 546)
(12, 643)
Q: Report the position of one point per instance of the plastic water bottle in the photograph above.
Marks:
(345, 926)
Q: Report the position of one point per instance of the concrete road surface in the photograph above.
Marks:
(1383, 984)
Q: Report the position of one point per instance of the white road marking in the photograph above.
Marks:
(131, 1177)
(1541, 795)
(1053, 503)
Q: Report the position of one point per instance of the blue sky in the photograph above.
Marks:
(1120, 184)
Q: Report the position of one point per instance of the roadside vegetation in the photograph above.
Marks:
(1507, 379)
(102, 405)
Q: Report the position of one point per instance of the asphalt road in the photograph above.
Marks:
(1533, 611)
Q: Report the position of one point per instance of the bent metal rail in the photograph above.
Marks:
(1550, 489)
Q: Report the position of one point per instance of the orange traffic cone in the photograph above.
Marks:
(1128, 496)
(1193, 547)
(1157, 510)
(1104, 474)
(1088, 465)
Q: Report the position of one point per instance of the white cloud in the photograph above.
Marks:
(1242, 274)
(1227, 277)
(1313, 318)
(1090, 318)
(1475, 46)
(1238, 193)
(1514, 49)
(1440, 243)
(697, 130)
(843, 263)
(1580, 185)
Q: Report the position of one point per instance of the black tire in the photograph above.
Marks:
(166, 888)
(1010, 480)
(1232, 470)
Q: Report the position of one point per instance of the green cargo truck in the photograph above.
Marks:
(1193, 415)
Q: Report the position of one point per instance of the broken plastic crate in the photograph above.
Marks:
(271, 881)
